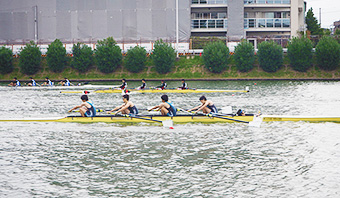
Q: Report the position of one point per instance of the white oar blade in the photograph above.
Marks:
(256, 121)
(227, 110)
(168, 123)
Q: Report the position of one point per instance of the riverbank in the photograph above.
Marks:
(190, 68)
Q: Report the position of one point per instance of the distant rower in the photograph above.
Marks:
(86, 108)
(47, 82)
(207, 106)
(15, 82)
(184, 85)
(32, 82)
(166, 107)
(65, 82)
(126, 108)
(124, 84)
(162, 86)
(143, 86)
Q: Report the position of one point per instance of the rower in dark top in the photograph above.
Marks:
(143, 86)
(86, 108)
(162, 86)
(126, 108)
(165, 107)
(184, 85)
(15, 82)
(32, 82)
(124, 84)
(207, 106)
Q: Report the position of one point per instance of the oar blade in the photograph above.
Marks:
(257, 121)
(168, 123)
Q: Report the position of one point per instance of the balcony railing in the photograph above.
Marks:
(209, 1)
(266, 2)
(209, 23)
(266, 23)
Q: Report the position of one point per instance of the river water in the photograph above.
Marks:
(279, 159)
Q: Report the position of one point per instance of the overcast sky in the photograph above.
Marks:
(330, 11)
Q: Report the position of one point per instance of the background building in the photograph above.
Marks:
(132, 22)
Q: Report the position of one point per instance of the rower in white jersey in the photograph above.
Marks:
(162, 86)
(47, 82)
(15, 82)
(143, 86)
(32, 82)
(65, 82)
(184, 85)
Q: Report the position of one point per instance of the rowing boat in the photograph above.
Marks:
(161, 91)
(177, 119)
(89, 87)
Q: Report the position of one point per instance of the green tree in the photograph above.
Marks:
(327, 53)
(337, 32)
(327, 32)
(56, 56)
(6, 60)
(163, 56)
(82, 57)
(135, 59)
(244, 56)
(30, 59)
(215, 56)
(270, 56)
(108, 55)
(300, 53)
(312, 23)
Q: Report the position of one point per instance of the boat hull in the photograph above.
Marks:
(170, 91)
(177, 119)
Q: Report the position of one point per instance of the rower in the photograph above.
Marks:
(126, 108)
(162, 86)
(143, 86)
(184, 85)
(32, 82)
(166, 107)
(86, 108)
(47, 82)
(240, 112)
(15, 82)
(124, 84)
(207, 106)
(65, 82)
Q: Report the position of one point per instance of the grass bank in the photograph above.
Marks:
(185, 67)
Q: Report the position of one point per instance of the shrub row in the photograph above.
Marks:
(108, 56)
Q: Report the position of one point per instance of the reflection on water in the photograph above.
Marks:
(194, 160)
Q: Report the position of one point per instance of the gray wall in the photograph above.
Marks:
(91, 20)
(235, 20)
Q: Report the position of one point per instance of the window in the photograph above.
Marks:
(222, 15)
(195, 24)
(277, 14)
(211, 23)
(261, 23)
(270, 23)
(251, 23)
(286, 23)
(203, 23)
(219, 23)
(278, 23)
(269, 15)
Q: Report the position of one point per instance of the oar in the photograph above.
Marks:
(166, 123)
(257, 120)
